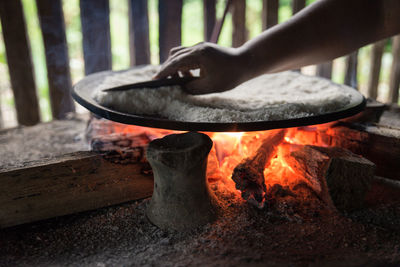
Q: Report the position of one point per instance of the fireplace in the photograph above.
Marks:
(295, 172)
(303, 220)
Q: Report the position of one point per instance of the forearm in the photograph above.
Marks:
(323, 31)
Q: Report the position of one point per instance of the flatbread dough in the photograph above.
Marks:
(279, 96)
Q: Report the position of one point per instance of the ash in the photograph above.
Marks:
(284, 233)
(20, 145)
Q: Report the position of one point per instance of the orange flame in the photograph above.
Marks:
(230, 148)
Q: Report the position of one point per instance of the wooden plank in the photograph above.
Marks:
(19, 62)
(139, 32)
(95, 19)
(269, 13)
(325, 70)
(68, 184)
(210, 17)
(298, 5)
(375, 68)
(350, 78)
(51, 19)
(239, 33)
(170, 24)
(395, 72)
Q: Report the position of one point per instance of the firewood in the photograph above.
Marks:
(68, 184)
(380, 143)
(249, 174)
(383, 191)
(340, 178)
(122, 148)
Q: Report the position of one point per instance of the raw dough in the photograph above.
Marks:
(277, 96)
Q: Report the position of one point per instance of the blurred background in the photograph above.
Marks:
(192, 33)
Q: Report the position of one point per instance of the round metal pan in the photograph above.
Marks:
(83, 93)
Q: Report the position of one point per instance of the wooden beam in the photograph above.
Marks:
(19, 62)
(95, 20)
(270, 13)
(350, 78)
(375, 68)
(170, 26)
(325, 70)
(239, 33)
(210, 17)
(298, 5)
(53, 30)
(68, 184)
(139, 43)
(395, 72)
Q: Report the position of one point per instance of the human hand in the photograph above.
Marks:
(221, 69)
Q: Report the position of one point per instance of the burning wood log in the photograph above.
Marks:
(249, 174)
(181, 199)
(340, 178)
(122, 148)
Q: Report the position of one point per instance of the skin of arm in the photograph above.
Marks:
(323, 31)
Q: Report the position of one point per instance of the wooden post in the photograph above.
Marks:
(139, 44)
(350, 78)
(210, 17)
(170, 24)
(269, 13)
(53, 30)
(375, 68)
(395, 72)
(95, 19)
(239, 33)
(298, 5)
(325, 70)
(19, 62)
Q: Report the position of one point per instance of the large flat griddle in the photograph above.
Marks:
(83, 93)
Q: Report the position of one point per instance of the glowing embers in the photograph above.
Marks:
(259, 161)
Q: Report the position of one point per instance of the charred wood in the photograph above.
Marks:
(248, 175)
(340, 178)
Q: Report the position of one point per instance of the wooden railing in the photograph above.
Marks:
(97, 46)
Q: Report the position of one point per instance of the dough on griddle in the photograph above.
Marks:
(279, 96)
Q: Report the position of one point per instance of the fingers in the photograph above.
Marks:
(181, 63)
(181, 59)
(175, 50)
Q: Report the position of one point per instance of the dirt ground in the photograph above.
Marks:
(279, 235)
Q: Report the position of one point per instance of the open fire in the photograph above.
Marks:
(262, 167)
